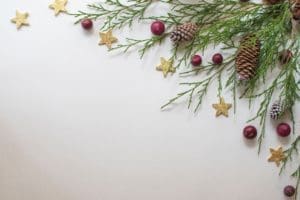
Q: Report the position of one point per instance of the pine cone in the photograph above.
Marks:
(277, 110)
(184, 32)
(296, 10)
(272, 2)
(247, 58)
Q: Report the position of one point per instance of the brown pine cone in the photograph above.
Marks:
(272, 2)
(247, 57)
(184, 32)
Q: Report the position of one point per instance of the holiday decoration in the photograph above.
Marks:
(247, 57)
(222, 107)
(87, 24)
(107, 39)
(59, 6)
(196, 60)
(158, 27)
(276, 111)
(217, 59)
(20, 19)
(250, 132)
(252, 40)
(289, 191)
(283, 129)
(166, 66)
(184, 32)
(277, 156)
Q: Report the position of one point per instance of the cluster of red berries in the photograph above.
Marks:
(283, 130)
(217, 59)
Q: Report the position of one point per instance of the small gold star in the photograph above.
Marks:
(59, 6)
(276, 156)
(20, 19)
(222, 107)
(166, 66)
(107, 39)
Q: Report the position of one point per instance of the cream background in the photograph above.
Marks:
(79, 123)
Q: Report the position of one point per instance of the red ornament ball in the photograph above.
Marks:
(87, 24)
(158, 27)
(283, 129)
(250, 132)
(217, 59)
(196, 60)
(289, 191)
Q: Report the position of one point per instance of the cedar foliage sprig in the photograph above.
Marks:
(115, 13)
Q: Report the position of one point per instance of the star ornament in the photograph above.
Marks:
(222, 107)
(20, 19)
(166, 66)
(58, 6)
(277, 156)
(107, 39)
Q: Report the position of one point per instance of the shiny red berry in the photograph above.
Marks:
(196, 60)
(158, 27)
(87, 24)
(217, 59)
(250, 132)
(289, 191)
(283, 129)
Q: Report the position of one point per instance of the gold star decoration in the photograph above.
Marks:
(277, 155)
(222, 107)
(20, 19)
(107, 39)
(58, 6)
(166, 66)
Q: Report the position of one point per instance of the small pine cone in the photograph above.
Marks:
(296, 10)
(276, 111)
(272, 2)
(184, 32)
(247, 57)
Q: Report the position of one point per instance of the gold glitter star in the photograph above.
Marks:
(20, 19)
(166, 66)
(276, 156)
(59, 6)
(107, 39)
(222, 107)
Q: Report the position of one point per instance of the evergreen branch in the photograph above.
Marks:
(115, 13)
(289, 153)
(145, 44)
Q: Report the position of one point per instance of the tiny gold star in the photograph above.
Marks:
(222, 107)
(165, 66)
(59, 6)
(107, 39)
(277, 155)
(20, 19)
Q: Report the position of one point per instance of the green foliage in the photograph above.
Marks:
(221, 22)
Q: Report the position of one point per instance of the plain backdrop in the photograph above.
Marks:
(78, 122)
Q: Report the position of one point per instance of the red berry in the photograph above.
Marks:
(283, 129)
(217, 59)
(289, 191)
(158, 28)
(87, 24)
(250, 132)
(196, 60)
